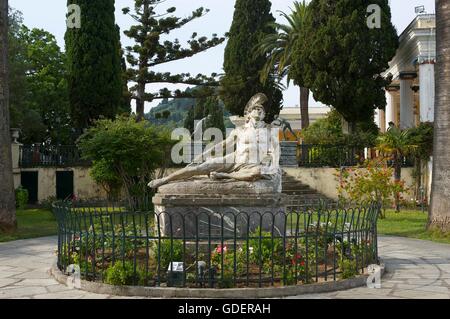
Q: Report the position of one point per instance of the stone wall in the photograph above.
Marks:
(321, 179)
(83, 184)
(324, 180)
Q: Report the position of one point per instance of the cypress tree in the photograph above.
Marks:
(341, 59)
(216, 114)
(125, 105)
(189, 120)
(208, 108)
(252, 22)
(94, 63)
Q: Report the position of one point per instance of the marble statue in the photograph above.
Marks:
(255, 155)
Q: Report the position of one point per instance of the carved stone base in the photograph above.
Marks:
(211, 216)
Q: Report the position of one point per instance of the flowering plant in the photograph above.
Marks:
(373, 182)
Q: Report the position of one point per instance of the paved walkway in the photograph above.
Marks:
(414, 269)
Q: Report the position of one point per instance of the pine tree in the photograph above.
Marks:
(341, 59)
(150, 50)
(94, 64)
(252, 22)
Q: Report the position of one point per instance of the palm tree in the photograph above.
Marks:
(439, 216)
(7, 201)
(279, 48)
(395, 144)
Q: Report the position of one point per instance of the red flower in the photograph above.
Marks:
(296, 259)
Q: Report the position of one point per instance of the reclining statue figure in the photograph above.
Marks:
(255, 155)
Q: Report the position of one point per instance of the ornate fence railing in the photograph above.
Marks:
(50, 156)
(239, 249)
(318, 155)
(315, 155)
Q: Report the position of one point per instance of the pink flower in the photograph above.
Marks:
(221, 249)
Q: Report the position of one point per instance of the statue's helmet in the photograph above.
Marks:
(258, 100)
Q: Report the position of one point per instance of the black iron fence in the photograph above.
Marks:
(50, 156)
(301, 246)
(318, 155)
(315, 155)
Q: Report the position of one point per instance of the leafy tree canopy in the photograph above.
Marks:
(328, 131)
(126, 152)
(39, 100)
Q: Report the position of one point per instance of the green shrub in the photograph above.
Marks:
(48, 202)
(348, 267)
(123, 274)
(347, 263)
(21, 198)
(166, 257)
(126, 153)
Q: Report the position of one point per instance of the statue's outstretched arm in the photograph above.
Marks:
(222, 145)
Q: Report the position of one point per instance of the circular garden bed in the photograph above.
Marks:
(116, 246)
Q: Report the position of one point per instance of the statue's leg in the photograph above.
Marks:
(185, 173)
(245, 175)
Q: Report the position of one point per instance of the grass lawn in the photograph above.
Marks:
(32, 223)
(409, 223)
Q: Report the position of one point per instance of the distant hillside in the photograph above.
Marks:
(178, 109)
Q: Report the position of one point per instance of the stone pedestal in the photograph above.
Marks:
(205, 209)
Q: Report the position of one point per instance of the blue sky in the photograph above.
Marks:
(50, 15)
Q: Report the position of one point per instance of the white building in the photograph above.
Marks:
(410, 96)
(292, 115)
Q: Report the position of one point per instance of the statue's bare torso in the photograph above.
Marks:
(255, 154)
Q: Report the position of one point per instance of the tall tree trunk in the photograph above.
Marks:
(140, 102)
(304, 107)
(7, 200)
(439, 216)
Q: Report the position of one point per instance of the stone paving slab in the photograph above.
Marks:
(414, 269)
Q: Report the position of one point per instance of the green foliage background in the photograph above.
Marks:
(38, 87)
